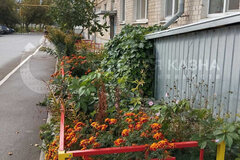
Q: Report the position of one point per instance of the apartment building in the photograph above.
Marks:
(151, 12)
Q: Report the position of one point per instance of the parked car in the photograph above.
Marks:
(6, 30)
(1, 30)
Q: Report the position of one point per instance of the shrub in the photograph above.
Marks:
(130, 57)
(64, 42)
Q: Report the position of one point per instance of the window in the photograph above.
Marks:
(171, 8)
(123, 5)
(105, 7)
(141, 9)
(222, 6)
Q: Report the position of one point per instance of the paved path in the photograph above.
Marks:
(20, 117)
(11, 48)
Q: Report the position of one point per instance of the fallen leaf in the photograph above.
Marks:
(10, 153)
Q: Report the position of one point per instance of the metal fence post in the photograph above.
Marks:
(221, 151)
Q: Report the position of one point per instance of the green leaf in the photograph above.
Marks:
(81, 91)
(217, 132)
(231, 128)
(234, 135)
(229, 140)
(203, 144)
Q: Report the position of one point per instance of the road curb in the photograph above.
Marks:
(42, 154)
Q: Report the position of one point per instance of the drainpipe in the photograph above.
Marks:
(177, 15)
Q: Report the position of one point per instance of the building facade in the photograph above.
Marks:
(151, 12)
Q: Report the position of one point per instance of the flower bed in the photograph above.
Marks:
(102, 151)
(108, 107)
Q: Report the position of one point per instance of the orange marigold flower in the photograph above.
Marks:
(80, 57)
(158, 136)
(143, 134)
(129, 114)
(118, 142)
(96, 145)
(103, 127)
(83, 61)
(131, 126)
(69, 130)
(156, 126)
(113, 121)
(62, 63)
(84, 142)
(163, 143)
(92, 139)
(80, 124)
(125, 132)
(154, 147)
(143, 120)
(107, 120)
(156, 118)
(129, 120)
(138, 126)
(171, 145)
(97, 134)
(95, 125)
(74, 140)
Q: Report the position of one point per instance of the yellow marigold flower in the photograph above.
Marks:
(125, 132)
(156, 126)
(158, 136)
(154, 147)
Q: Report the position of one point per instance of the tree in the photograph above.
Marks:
(8, 13)
(33, 13)
(70, 13)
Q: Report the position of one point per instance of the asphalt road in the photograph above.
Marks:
(12, 47)
(20, 117)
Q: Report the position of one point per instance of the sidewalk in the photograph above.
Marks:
(20, 117)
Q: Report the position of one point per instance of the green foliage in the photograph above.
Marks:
(8, 13)
(129, 56)
(183, 123)
(64, 42)
(35, 14)
(70, 13)
(46, 133)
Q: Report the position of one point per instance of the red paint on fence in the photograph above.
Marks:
(113, 150)
(62, 110)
